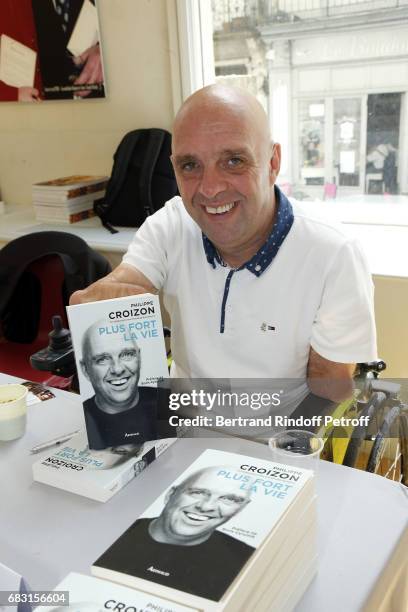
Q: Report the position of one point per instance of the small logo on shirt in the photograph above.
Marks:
(130, 435)
(265, 327)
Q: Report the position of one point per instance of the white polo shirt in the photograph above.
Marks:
(317, 291)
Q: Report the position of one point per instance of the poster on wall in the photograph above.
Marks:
(50, 50)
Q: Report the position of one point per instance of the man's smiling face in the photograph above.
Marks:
(112, 364)
(200, 505)
(226, 167)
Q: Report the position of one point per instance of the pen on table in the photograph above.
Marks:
(53, 442)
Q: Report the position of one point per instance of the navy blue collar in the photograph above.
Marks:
(261, 260)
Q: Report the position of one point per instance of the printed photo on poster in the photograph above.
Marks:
(50, 50)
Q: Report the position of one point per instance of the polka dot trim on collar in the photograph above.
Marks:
(264, 257)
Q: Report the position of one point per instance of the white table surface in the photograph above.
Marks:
(46, 532)
(22, 221)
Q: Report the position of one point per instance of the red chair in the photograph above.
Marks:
(15, 356)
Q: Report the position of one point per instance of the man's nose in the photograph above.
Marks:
(212, 182)
(207, 504)
(117, 366)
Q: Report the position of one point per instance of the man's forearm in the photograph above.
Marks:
(329, 379)
(121, 282)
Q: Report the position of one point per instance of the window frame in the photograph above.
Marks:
(191, 47)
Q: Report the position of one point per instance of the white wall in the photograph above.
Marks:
(391, 314)
(56, 138)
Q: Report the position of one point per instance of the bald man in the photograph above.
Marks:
(182, 548)
(120, 413)
(255, 286)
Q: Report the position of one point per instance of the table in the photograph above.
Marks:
(380, 225)
(22, 221)
(46, 532)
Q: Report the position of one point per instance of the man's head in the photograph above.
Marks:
(112, 364)
(197, 506)
(226, 166)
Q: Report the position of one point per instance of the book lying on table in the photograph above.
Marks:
(121, 356)
(63, 201)
(65, 219)
(95, 474)
(69, 211)
(232, 533)
(88, 594)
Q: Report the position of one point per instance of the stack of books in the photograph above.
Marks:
(68, 199)
(232, 533)
(86, 594)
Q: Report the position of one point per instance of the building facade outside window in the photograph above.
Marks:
(333, 78)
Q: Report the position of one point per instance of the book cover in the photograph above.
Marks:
(98, 475)
(120, 356)
(88, 594)
(71, 184)
(212, 522)
(37, 392)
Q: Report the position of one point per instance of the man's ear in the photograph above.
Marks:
(275, 162)
(83, 368)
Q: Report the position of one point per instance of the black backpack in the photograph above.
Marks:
(142, 179)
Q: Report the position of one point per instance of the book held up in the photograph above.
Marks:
(120, 357)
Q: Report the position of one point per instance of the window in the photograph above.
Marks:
(331, 74)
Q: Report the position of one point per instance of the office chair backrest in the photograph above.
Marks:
(38, 273)
(82, 264)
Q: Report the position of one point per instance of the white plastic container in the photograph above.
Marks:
(13, 411)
